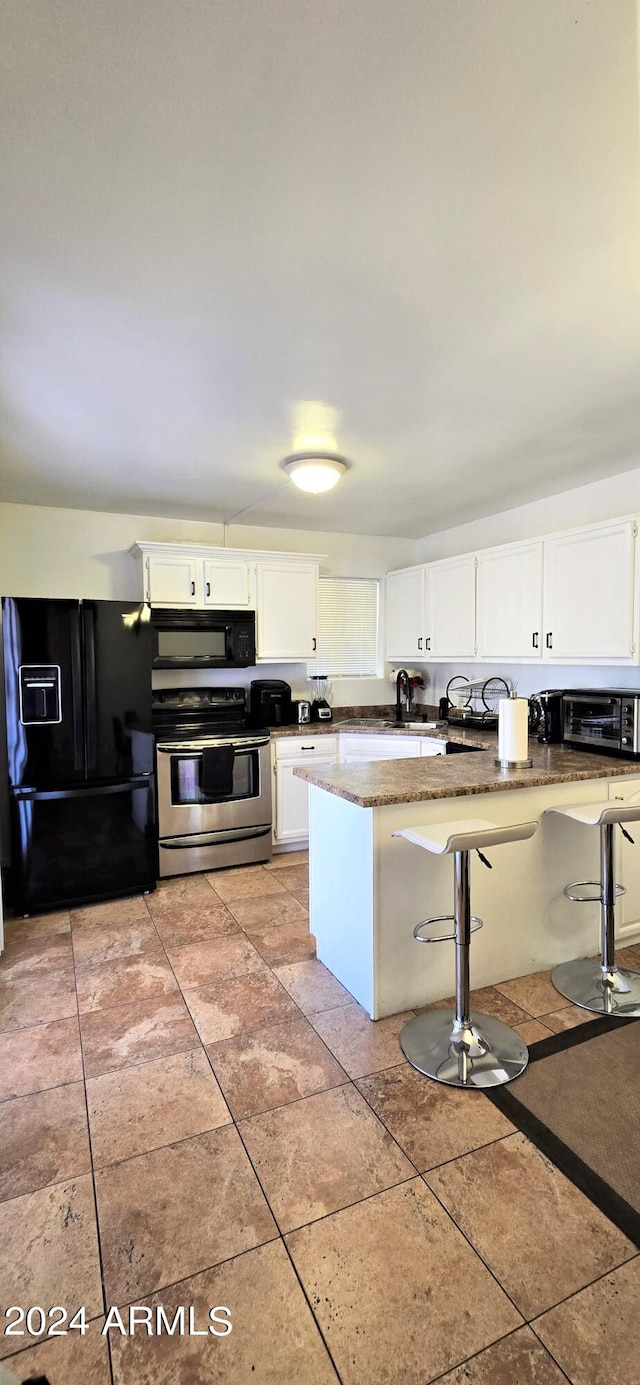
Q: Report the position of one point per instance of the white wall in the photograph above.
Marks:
(600, 500)
(84, 553)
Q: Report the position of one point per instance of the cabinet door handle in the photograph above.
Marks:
(208, 588)
(193, 588)
(420, 643)
(314, 644)
(535, 639)
(427, 643)
(549, 640)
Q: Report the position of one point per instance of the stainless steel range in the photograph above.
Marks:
(214, 781)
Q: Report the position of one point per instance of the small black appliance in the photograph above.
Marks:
(270, 702)
(551, 703)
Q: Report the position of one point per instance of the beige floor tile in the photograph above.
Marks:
(301, 893)
(176, 1211)
(514, 1206)
(43, 1139)
(39, 925)
(274, 1340)
(313, 986)
(44, 1056)
(186, 890)
(533, 993)
(488, 1001)
(106, 942)
(360, 1044)
(267, 911)
(285, 859)
(629, 956)
(273, 1066)
(238, 1004)
(294, 877)
(70, 1360)
(157, 1103)
(566, 1018)
(288, 942)
(130, 1034)
(49, 1250)
(245, 882)
(124, 980)
(195, 923)
(385, 1278)
(595, 1336)
(47, 997)
(28, 959)
(432, 1122)
(532, 1030)
(111, 913)
(216, 959)
(519, 1359)
(321, 1154)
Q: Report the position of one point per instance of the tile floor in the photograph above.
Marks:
(195, 1112)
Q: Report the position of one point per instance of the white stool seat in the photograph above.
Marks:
(601, 814)
(467, 834)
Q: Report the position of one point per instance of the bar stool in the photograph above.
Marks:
(454, 1046)
(602, 987)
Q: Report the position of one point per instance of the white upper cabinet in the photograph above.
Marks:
(451, 608)
(589, 609)
(405, 613)
(286, 611)
(227, 583)
(172, 579)
(509, 602)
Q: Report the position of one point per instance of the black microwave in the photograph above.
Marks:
(203, 639)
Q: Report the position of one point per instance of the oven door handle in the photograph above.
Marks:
(177, 747)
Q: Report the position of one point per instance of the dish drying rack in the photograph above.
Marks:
(475, 702)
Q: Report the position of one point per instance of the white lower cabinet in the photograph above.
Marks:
(291, 795)
(355, 749)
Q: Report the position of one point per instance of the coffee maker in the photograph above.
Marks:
(552, 716)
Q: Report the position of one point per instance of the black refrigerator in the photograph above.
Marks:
(80, 750)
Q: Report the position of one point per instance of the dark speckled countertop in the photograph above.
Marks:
(383, 782)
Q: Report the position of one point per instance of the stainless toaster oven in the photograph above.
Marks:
(603, 719)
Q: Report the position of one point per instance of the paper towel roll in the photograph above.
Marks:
(513, 728)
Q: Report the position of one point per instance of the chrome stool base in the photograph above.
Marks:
(615, 991)
(484, 1053)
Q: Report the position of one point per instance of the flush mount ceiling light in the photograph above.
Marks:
(315, 472)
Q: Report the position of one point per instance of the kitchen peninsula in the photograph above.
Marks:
(368, 889)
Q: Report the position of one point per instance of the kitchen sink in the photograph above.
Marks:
(372, 722)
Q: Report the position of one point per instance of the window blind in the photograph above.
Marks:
(347, 628)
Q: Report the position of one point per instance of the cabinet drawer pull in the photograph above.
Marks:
(307, 747)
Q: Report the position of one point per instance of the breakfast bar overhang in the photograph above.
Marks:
(368, 889)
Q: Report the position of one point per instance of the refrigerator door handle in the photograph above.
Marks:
(77, 714)
(96, 790)
(90, 690)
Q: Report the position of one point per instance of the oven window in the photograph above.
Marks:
(192, 644)
(596, 720)
(186, 779)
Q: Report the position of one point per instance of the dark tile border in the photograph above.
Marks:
(603, 1196)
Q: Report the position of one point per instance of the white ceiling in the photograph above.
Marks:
(423, 212)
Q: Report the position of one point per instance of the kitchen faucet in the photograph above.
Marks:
(402, 677)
